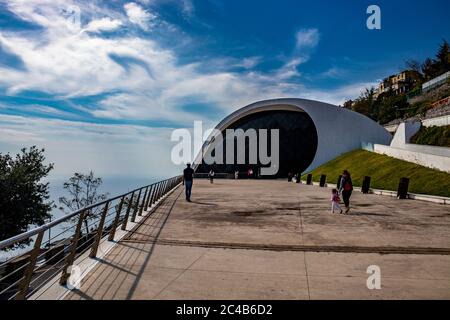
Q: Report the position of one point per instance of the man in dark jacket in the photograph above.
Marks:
(188, 175)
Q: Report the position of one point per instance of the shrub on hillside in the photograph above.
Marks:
(433, 136)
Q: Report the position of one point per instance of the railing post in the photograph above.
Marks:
(73, 250)
(127, 215)
(148, 197)
(166, 183)
(141, 209)
(25, 283)
(164, 188)
(112, 233)
(152, 197)
(157, 192)
(161, 190)
(99, 234)
(136, 207)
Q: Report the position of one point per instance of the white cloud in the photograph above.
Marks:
(139, 15)
(151, 84)
(307, 38)
(104, 24)
(188, 7)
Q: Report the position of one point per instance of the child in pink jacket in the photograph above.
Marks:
(335, 200)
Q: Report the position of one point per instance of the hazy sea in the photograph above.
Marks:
(114, 186)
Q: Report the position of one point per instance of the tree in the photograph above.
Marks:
(82, 189)
(443, 58)
(391, 106)
(365, 103)
(429, 69)
(23, 197)
(348, 104)
(432, 68)
(414, 65)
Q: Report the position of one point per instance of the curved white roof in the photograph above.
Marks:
(339, 130)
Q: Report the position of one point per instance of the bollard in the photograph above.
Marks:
(403, 188)
(366, 185)
(309, 179)
(323, 180)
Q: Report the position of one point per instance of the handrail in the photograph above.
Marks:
(28, 234)
(115, 213)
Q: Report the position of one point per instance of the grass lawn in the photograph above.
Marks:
(385, 173)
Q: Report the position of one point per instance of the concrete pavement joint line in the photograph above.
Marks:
(304, 253)
(296, 275)
(306, 248)
(233, 272)
(181, 273)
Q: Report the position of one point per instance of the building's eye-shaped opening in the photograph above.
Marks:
(297, 142)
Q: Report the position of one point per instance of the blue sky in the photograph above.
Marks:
(105, 91)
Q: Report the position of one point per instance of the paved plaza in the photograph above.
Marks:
(250, 239)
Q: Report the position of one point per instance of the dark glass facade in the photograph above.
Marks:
(298, 142)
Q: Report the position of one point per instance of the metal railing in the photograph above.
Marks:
(77, 232)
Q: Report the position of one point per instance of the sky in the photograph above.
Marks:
(101, 85)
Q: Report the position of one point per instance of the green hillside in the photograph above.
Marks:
(386, 173)
(433, 136)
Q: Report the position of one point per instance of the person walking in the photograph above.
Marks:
(346, 188)
(188, 178)
(335, 200)
(211, 176)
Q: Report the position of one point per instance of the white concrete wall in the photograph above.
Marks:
(438, 121)
(404, 133)
(391, 128)
(427, 156)
(437, 151)
(440, 160)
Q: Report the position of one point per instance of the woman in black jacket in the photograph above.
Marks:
(346, 188)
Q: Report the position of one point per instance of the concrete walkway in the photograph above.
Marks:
(277, 240)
